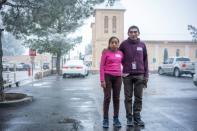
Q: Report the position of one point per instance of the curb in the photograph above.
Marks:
(18, 101)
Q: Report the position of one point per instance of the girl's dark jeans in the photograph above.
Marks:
(113, 84)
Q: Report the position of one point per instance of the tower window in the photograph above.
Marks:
(196, 53)
(106, 24)
(114, 24)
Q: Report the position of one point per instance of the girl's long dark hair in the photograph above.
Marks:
(110, 39)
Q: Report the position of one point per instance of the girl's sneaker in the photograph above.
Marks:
(105, 123)
(116, 122)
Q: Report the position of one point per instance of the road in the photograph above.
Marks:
(169, 104)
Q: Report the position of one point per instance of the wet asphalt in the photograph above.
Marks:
(75, 104)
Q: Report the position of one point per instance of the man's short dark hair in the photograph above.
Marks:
(134, 27)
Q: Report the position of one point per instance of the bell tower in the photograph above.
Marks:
(109, 21)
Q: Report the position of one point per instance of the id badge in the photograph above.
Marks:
(134, 67)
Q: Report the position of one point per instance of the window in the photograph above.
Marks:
(182, 59)
(177, 52)
(114, 24)
(154, 60)
(196, 53)
(165, 56)
(106, 24)
(171, 60)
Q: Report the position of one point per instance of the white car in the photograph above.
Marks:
(74, 68)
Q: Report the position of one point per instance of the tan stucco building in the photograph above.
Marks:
(109, 21)
(174, 48)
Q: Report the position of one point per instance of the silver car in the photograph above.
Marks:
(177, 66)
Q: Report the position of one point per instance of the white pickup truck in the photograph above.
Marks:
(177, 66)
(195, 75)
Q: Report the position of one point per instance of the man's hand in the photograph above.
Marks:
(103, 84)
(145, 82)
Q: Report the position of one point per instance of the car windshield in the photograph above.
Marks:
(182, 59)
(75, 62)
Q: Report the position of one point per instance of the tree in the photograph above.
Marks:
(11, 46)
(193, 32)
(1, 68)
(56, 45)
(1, 55)
(39, 19)
(56, 17)
(88, 49)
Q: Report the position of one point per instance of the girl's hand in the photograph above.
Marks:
(103, 84)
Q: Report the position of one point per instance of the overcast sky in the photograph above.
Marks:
(161, 19)
(157, 19)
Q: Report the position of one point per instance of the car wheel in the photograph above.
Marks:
(87, 73)
(195, 83)
(64, 76)
(192, 75)
(177, 72)
(83, 76)
(160, 71)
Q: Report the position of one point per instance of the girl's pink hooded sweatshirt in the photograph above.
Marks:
(110, 63)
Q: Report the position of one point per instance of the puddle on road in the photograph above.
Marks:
(85, 108)
(21, 120)
(42, 85)
(70, 89)
(75, 99)
(78, 89)
(88, 125)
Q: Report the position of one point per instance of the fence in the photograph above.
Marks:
(9, 79)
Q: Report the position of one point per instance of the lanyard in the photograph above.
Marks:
(135, 51)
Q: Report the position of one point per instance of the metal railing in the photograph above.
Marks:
(9, 79)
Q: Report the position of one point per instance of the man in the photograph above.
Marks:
(135, 74)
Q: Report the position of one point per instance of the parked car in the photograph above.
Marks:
(19, 67)
(46, 66)
(177, 66)
(5, 67)
(195, 75)
(25, 66)
(74, 68)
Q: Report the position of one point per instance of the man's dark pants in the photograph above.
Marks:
(133, 85)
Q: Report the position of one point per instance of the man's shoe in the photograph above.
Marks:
(105, 123)
(116, 122)
(129, 122)
(137, 119)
